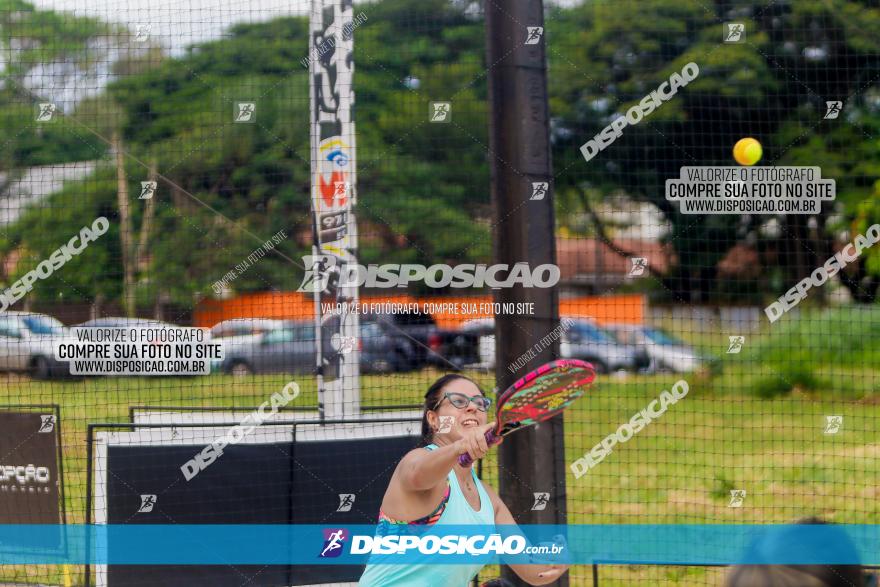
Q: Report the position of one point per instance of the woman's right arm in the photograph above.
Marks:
(421, 470)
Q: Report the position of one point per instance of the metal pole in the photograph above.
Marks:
(90, 436)
(519, 138)
(314, 129)
(334, 193)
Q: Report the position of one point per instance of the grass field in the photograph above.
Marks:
(680, 469)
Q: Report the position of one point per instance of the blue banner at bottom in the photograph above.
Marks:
(672, 544)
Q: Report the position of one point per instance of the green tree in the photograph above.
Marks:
(604, 57)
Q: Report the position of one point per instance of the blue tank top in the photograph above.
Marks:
(458, 511)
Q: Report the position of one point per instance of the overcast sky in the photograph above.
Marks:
(179, 23)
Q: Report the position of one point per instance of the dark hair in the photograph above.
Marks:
(798, 575)
(432, 398)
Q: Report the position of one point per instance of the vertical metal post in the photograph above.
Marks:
(334, 195)
(519, 137)
(90, 437)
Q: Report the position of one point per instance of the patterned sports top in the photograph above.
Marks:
(454, 509)
(428, 520)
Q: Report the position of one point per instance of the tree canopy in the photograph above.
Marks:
(226, 187)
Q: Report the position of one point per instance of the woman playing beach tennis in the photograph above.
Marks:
(430, 487)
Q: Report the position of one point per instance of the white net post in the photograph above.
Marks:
(334, 192)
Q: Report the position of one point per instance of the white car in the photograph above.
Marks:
(133, 323)
(26, 340)
(666, 352)
(123, 322)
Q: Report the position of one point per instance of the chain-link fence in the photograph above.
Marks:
(176, 182)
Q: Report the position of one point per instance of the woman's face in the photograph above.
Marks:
(447, 421)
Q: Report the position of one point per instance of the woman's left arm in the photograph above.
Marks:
(531, 574)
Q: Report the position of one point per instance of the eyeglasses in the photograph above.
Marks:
(460, 401)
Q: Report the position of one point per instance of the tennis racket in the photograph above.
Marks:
(537, 397)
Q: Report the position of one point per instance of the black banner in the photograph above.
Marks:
(30, 484)
(306, 482)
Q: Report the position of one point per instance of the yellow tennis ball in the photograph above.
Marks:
(747, 151)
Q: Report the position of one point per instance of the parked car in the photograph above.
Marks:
(484, 329)
(26, 341)
(242, 332)
(119, 322)
(290, 349)
(382, 352)
(582, 340)
(666, 352)
(585, 340)
(246, 330)
(140, 324)
(431, 345)
(125, 322)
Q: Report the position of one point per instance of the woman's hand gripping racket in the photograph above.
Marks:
(537, 397)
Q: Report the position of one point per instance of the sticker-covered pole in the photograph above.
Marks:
(333, 196)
